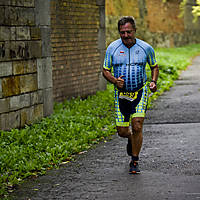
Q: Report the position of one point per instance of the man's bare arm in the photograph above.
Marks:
(154, 76)
(119, 82)
(154, 73)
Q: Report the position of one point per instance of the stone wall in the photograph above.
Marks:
(158, 23)
(33, 35)
(166, 28)
(78, 46)
(25, 62)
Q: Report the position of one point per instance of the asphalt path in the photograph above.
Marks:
(169, 159)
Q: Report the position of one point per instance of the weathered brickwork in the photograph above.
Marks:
(25, 63)
(35, 33)
(76, 34)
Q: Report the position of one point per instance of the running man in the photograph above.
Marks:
(128, 57)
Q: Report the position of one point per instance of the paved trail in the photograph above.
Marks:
(170, 157)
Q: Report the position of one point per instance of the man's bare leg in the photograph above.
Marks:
(136, 142)
(124, 132)
(137, 136)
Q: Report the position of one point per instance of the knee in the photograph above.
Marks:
(123, 132)
(137, 126)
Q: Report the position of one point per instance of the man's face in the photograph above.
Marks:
(127, 34)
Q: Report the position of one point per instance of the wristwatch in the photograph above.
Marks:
(154, 81)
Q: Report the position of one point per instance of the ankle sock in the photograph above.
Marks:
(135, 158)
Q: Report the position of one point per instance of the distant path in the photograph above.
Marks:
(170, 158)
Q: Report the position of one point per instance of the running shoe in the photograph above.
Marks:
(129, 148)
(134, 168)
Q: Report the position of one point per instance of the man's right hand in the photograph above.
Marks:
(120, 82)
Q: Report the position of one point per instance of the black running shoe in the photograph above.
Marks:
(134, 168)
(129, 148)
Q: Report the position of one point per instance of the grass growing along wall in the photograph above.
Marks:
(75, 126)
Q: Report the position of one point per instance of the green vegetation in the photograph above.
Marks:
(171, 61)
(195, 9)
(75, 126)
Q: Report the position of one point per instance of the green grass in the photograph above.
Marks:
(171, 62)
(75, 126)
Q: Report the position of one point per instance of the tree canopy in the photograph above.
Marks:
(195, 8)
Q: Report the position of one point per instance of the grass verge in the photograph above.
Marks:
(171, 62)
(74, 127)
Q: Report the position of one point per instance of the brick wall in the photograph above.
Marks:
(78, 45)
(33, 35)
(25, 63)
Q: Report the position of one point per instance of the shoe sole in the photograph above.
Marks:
(134, 172)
